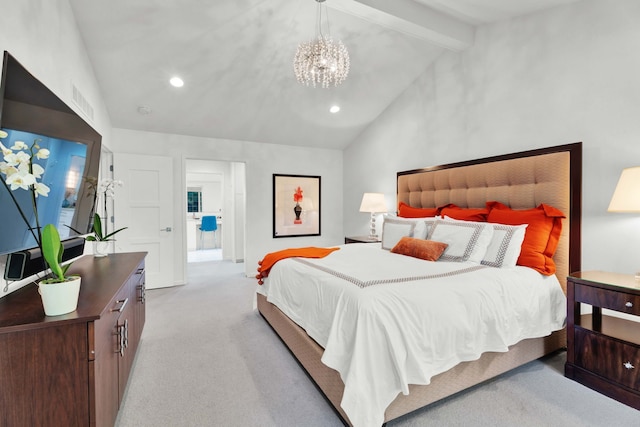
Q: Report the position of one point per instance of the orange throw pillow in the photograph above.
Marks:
(424, 249)
(464, 214)
(541, 237)
(406, 211)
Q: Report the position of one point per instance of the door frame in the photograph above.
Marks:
(183, 219)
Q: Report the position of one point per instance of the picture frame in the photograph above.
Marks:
(296, 205)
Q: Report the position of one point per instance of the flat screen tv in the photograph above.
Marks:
(29, 111)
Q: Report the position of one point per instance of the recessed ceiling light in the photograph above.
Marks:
(334, 109)
(176, 82)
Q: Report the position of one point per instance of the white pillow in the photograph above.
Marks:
(394, 229)
(504, 249)
(422, 225)
(467, 240)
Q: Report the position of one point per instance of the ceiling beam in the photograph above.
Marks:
(411, 18)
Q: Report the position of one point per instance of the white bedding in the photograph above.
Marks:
(388, 320)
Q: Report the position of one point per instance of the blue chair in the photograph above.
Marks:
(209, 223)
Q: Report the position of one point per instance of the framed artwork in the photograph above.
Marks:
(296, 205)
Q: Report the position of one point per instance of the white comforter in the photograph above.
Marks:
(387, 320)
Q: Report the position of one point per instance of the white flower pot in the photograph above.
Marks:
(60, 298)
(100, 248)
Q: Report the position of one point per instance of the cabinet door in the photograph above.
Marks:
(44, 376)
(128, 343)
(105, 367)
(139, 297)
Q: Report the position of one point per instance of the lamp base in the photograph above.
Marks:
(372, 227)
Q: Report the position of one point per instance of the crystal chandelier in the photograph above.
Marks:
(321, 61)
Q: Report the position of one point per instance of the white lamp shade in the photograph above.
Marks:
(373, 202)
(626, 197)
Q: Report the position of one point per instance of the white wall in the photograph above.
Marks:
(261, 162)
(561, 76)
(44, 38)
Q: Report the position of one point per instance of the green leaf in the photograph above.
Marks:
(52, 249)
(97, 226)
(111, 234)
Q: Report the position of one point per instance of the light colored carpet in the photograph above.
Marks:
(205, 255)
(207, 359)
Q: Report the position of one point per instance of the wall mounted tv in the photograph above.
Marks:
(29, 111)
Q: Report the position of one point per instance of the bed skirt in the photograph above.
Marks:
(460, 377)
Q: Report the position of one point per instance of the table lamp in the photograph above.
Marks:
(373, 203)
(626, 197)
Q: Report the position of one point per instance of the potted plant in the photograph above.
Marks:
(100, 240)
(63, 297)
(20, 170)
(102, 190)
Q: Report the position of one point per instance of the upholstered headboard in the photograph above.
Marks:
(520, 180)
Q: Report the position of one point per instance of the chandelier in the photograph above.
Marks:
(321, 61)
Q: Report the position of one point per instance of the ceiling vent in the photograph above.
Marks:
(81, 102)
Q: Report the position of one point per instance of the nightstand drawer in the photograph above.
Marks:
(608, 358)
(606, 298)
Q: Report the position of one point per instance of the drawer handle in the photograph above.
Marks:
(123, 302)
(629, 304)
(628, 365)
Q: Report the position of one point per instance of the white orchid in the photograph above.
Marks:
(20, 145)
(37, 170)
(21, 172)
(102, 191)
(42, 154)
(107, 187)
(20, 180)
(41, 189)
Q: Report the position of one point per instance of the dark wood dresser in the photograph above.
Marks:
(72, 370)
(603, 351)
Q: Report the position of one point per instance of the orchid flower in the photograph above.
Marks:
(41, 189)
(19, 145)
(20, 179)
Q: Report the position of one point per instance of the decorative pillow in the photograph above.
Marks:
(418, 248)
(393, 229)
(422, 225)
(468, 241)
(541, 236)
(407, 211)
(505, 246)
(464, 214)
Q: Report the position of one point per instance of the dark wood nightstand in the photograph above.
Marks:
(360, 239)
(603, 352)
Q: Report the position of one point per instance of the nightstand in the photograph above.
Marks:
(603, 352)
(360, 239)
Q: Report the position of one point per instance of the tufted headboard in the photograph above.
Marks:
(520, 180)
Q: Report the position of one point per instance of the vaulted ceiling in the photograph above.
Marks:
(236, 58)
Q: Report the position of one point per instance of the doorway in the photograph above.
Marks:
(215, 196)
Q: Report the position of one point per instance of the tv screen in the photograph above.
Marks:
(29, 111)
(63, 174)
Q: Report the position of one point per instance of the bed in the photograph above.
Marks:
(521, 181)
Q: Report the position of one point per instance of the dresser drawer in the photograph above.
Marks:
(606, 298)
(611, 359)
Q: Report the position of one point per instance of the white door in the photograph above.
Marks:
(144, 205)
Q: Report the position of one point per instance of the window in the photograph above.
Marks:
(194, 200)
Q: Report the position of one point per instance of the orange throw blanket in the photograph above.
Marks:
(271, 258)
